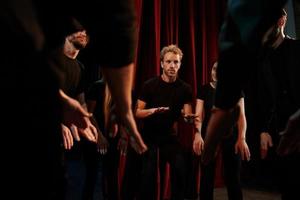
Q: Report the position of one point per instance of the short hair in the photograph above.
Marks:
(171, 48)
(283, 12)
(73, 26)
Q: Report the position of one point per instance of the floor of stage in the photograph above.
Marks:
(249, 194)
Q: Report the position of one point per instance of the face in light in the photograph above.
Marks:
(79, 39)
(171, 64)
(214, 72)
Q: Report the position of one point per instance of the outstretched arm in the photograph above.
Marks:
(73, 112)
(143, 112)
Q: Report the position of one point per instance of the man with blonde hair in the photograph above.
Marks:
(159, 105)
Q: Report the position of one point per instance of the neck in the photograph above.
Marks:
(69, 50)
(279, 40)
(168, 79)
(213, 84)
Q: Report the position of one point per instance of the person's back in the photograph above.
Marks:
(31, 106)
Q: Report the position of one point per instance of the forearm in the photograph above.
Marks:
(143, 113)
(198, 125)
(242, 127)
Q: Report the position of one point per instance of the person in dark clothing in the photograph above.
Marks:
(160, 103)
(36, 105)
(77, 150)
(32, 96)
(233, 146)
(130, 185)
(278, 75)
(100, 103)
(241, 41)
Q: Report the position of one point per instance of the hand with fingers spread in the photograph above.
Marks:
(74, 131)
(241, 147)
(102, 144)
(67, 137)
(161, 109)
(90, 132)
(265, 143)
(73, 112)
(198, 144)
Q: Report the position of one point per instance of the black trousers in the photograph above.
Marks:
(232, 168)
(156, 158)
(290, 176)
(132, 175)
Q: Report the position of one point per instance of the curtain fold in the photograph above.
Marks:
(193, 25)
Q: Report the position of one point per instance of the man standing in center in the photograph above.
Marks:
(163, 100)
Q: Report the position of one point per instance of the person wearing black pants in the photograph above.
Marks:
(233, 146)
(160, 105)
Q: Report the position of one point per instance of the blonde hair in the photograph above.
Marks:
(171, 48)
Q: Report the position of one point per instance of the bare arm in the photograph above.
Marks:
(73, 112)
(241, 145)
(120, 84)
(220, 122)
(198, 143)
(142, 112)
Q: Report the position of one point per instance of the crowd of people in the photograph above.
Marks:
(72, 133)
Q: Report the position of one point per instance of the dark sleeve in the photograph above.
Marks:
(188, 94)
(239, 45)
(242, 94)
(82, 85)
(145, 92)
(201, 92)
(266, 96)
(112, 29)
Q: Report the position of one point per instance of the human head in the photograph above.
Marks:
(214, 72)
(76, 33)
(79, 39)
(170, 60)
(275, 31)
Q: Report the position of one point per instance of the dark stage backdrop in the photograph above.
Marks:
(193, 25)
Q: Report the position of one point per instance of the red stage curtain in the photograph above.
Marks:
(193, 25)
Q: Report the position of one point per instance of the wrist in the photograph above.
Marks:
(197, 130)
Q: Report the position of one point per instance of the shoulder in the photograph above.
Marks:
(183, 84)
(206, 87)
(291, 41)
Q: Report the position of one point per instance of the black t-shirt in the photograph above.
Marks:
(207, 94)
(279, 76)
(158, 93)
(96, 93)
(72, 74)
